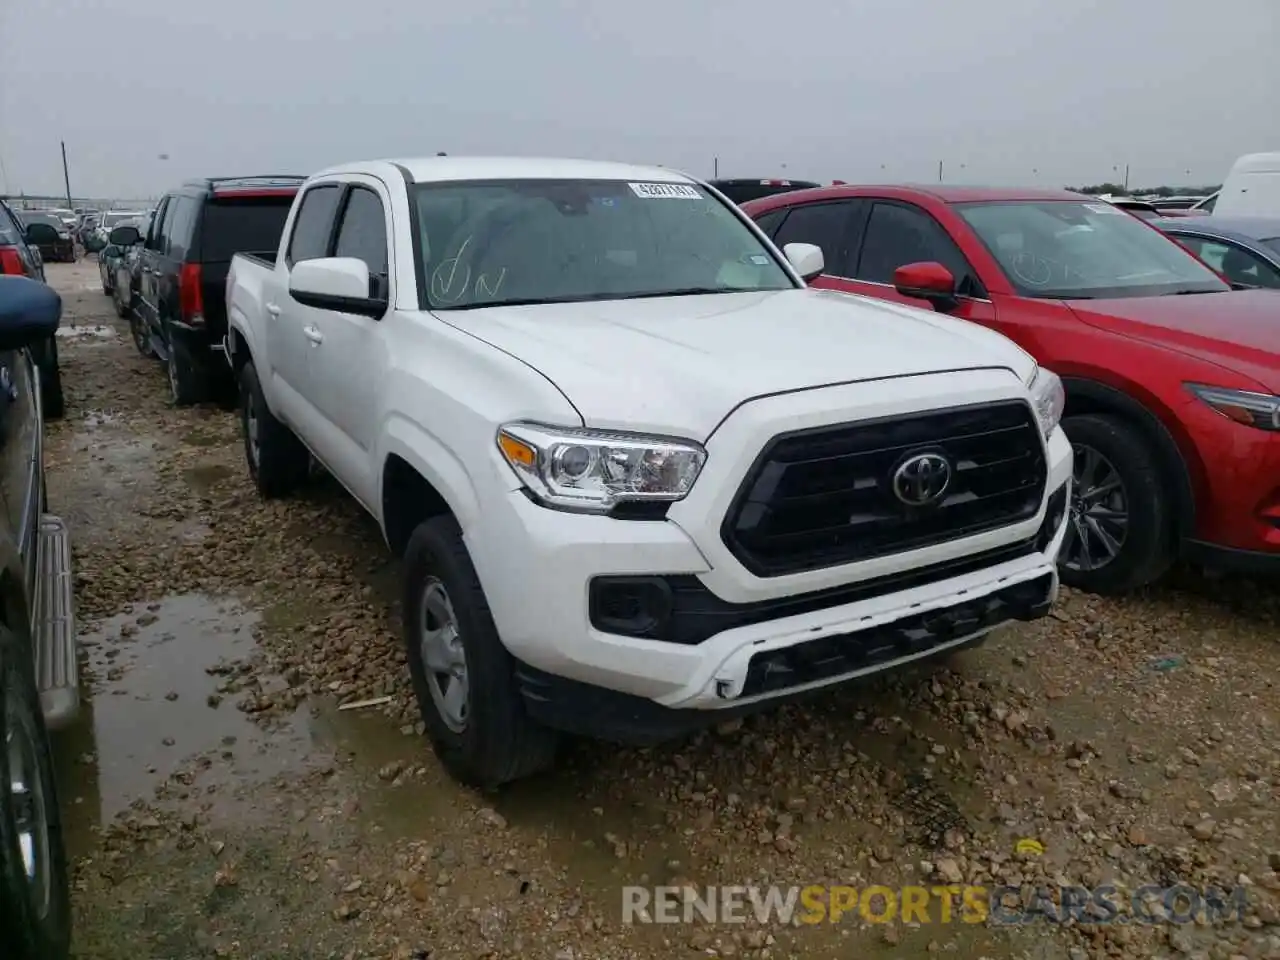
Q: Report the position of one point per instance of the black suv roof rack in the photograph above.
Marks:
(260, 182)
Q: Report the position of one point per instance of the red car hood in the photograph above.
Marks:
(1239, 330)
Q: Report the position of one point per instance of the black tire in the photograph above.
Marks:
(1146, 549)
(186, 377)
(32, 926)
(125, 313)
(107, 286)
(282, 462)
(53, 403)
(498, 742)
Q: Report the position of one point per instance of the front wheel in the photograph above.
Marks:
(35, 908)
(1119, 526)
(463, 677)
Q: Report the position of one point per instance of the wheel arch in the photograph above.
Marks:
(420, 479)
(1180, 466)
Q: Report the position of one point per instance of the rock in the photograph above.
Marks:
(391, 770)
(949, 870)
(1204, 829)
(492, 818)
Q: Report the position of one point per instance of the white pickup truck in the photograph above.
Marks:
(642, 478)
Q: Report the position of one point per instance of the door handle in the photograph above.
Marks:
(313, 334)
(273, 309)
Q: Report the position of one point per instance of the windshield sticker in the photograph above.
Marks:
(759, 259)
(1103, 208)
(664, 191)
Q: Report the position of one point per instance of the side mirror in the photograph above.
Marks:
(124, 236)
(41, 233)
(340, 284)
(806, 258)
(926, 281)
(29, 312)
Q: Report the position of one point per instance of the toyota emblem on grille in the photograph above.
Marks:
(922, 479)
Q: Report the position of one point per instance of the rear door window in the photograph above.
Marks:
(180, 228)
(363, 231)
(825, 225)
(314, 223)
(242, 225)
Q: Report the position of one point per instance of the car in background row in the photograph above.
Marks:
(106, 223)
(181, 306)
(741, 190)
(1245, 250)
(20, 259)
(55, 243)
(111, 256)
(1172, 378)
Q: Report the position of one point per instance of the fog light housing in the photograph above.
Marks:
(630, 606)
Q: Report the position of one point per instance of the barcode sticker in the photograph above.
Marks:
(664, 191)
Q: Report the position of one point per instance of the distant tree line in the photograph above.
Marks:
(1119, 188)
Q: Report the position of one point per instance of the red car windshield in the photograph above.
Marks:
(1067, 249)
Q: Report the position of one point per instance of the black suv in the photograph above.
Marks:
(22, 259)
(180, 314)
(39, 688)
(741, 190)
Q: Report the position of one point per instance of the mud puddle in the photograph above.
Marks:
(163, 680)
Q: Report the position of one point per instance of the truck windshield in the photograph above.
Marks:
(1067, 249)
(490, 243)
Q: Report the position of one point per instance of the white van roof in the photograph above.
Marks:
(1252, 188)
(1257, 163)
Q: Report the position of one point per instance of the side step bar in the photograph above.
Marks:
(53, 627)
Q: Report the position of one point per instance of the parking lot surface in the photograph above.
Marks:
(220, 804)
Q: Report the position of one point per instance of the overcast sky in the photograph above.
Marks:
(1001, 91)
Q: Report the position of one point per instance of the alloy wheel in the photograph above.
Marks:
(1098, 521)
(29, 804)
(443, 658)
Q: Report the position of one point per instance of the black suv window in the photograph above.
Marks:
(314, 222)
(899, 234)
(242, 225)
(363, 231)
(160, 225)
(181, 227)
(825, 225)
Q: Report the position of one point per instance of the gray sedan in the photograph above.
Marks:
(1245, 250)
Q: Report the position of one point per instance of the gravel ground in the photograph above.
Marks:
(221, 805)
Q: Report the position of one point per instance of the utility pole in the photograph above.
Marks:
(1126, 179)
(715, 168)
(66, 177)
(939, 171)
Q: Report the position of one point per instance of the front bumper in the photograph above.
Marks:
(538, 566)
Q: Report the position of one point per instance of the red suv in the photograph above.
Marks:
(1172, 377)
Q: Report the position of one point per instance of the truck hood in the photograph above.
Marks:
(679, 365)
(1239, 330)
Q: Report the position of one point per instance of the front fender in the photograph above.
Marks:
(436, 463)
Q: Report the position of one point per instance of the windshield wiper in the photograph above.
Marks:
(1187, 293)
(523, 302)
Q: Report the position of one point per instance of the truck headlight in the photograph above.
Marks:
(1048, 398)
(591, 471)
(1260, 410)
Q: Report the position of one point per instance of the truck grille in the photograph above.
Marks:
(826, 496)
